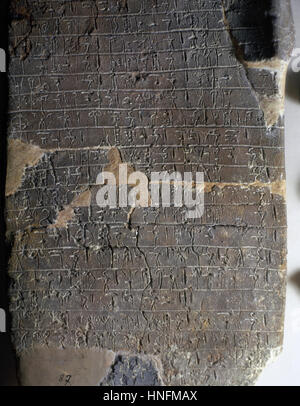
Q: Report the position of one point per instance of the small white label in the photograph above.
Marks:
(2, 60)
(295, 61)
(2, 321)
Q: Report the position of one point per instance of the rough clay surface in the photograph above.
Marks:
(169, 85)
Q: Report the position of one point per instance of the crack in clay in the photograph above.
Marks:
(84, 199)
(115, 159)
(129, 216)
(19, 157)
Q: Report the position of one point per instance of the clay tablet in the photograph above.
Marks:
(145, 295)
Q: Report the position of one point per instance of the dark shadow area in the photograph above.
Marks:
(7, 355)
(132, 371)
(257, 42)
(259, 28)
(292, 89)
(295, 279)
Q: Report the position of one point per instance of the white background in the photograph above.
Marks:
(285, 370)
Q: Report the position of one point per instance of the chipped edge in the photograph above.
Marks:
(271, 106)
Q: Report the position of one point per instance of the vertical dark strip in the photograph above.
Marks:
(7, 357)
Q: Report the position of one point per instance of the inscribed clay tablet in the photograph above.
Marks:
(146, 295)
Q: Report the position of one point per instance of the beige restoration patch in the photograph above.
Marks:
(19, 157)
(276, 188)
(115, 160)
(67, 214)
(43, 366)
